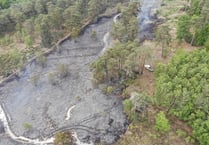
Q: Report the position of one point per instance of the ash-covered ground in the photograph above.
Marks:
(38, 101)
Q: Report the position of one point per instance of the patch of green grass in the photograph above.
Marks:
(27, 126)
(188, 139)
(181, 133)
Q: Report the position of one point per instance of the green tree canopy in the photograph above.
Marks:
(182, 86)
(193, 27)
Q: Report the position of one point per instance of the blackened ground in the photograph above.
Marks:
(38, 108)
(147, 18)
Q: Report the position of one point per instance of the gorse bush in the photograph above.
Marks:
(63, 138)
(128, 108)
(162, 123)
(135, 107)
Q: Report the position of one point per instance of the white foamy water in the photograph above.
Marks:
(107, 35)
(106, 44)
(69, 112)
(116, 17)
(21, 139)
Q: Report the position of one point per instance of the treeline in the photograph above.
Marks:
(193, 27)
(6, 3)
(125, 60)
(121, 62)
(126, 28)
(49, 19)
(40, 23)
(182, 86)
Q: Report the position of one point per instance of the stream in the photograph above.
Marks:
(70, 103)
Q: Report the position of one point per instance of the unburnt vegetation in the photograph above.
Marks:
(63, 138)
(178, 110)
(181, 87)
(125, 60)
(193, 27)
(31, 25)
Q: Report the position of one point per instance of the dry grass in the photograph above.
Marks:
(171, 12)
(144, 83)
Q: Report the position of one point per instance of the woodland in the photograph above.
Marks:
(181, 77)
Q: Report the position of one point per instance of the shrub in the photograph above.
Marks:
(27, 126)
(75, 32)
(165, 52)
(94, 83)
(206, 44)
(10, 61)
(34, 80)
(63, 70)
(188, 139)
(52, 78)
(93, 35)
(119, 7)
(125, 93)
(41, 60)
(139, 102)
(181, 133)
(6, 40)
(78, 98)
(63, 138)
(162, 123)
(127, 105)
(28, 41)
(130, 112)
(109, 90)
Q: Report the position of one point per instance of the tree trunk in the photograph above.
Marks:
(171, 105)
(106, 72)
(142, 65)
(192, 39)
